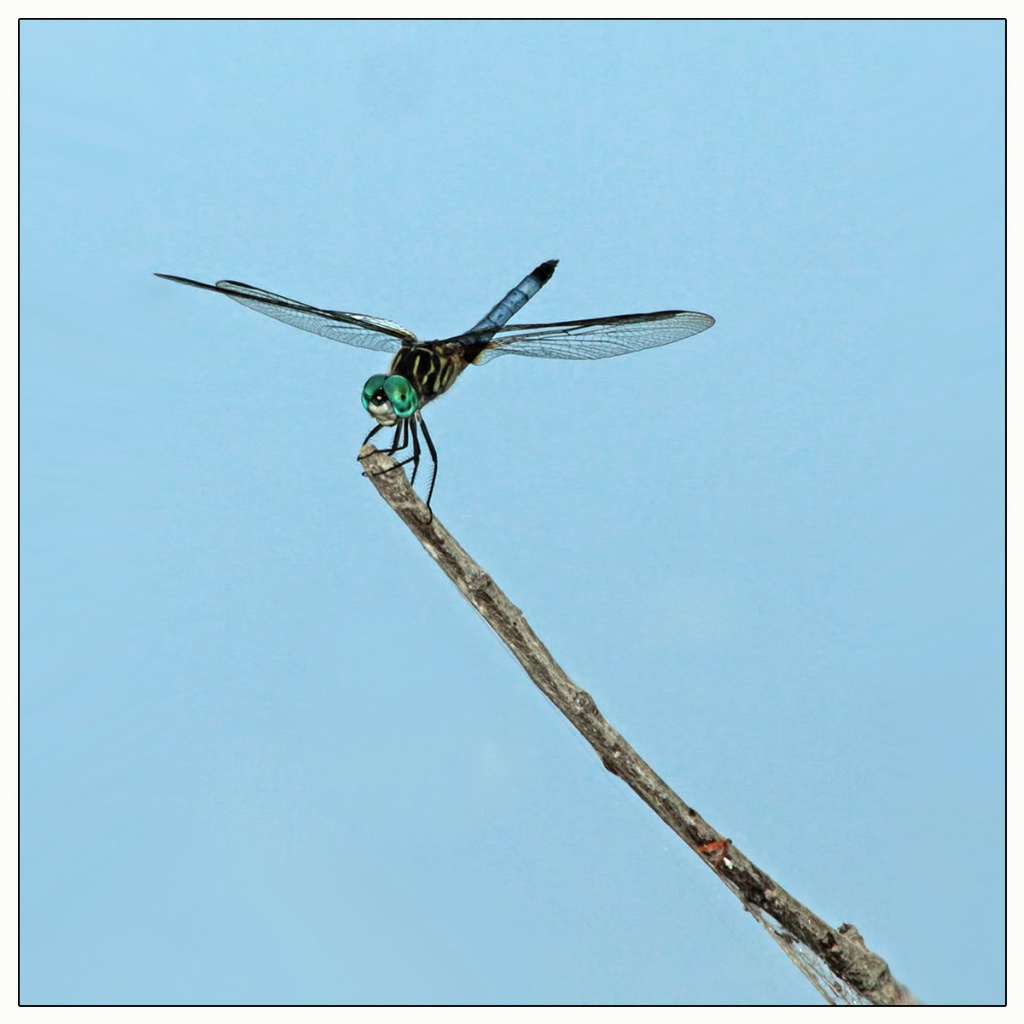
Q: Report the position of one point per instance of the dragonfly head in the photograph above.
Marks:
(389, 399)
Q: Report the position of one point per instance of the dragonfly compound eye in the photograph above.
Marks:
(373, 390)
(402, 396)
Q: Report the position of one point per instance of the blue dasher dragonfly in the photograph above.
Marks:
(423, 370)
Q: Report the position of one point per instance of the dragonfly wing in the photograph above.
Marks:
(351, 328)
(596, 339)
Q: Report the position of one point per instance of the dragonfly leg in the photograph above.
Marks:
(366, 440)
(406, 429)
(415, 457)
(398, 442)
(401, 438)
(371, 433)
(433, 458)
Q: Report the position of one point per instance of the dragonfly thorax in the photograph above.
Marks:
(430, 367)
(389, 399)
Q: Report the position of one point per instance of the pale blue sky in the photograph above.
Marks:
(268, 753)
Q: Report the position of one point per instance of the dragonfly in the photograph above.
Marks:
(423, 370)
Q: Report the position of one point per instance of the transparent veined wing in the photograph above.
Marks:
(351, 328)
(596, 339)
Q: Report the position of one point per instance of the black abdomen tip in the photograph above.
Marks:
(545, 270)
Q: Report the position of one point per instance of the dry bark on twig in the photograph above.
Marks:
(835, 960)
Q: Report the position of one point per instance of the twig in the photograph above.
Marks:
(837, 957)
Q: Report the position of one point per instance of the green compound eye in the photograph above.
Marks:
(374, 385)
(396, 390)
(401, 394)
